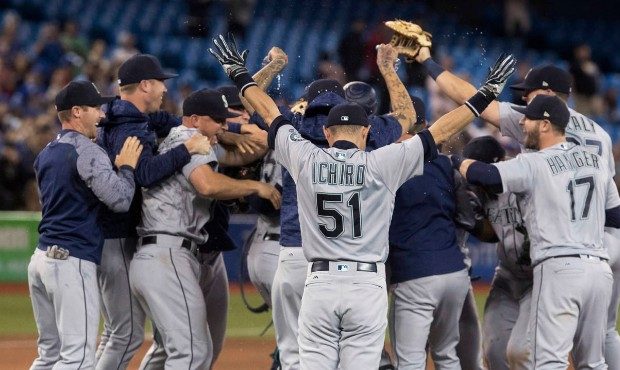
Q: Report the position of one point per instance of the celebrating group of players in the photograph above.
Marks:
(351, 205)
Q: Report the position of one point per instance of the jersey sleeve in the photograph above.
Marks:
(398, 163)
(612, 200)
(516, 174)
(113, 189)
(198, 160)
(509, 122)
(291, 150)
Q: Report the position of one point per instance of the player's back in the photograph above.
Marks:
(568, 189)
(346, 198)
(581, 130)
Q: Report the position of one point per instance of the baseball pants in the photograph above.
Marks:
(123, 328)
(570, 298)
(469, 349)
(262, 264)
(502, 312)
(428, 310)
(286, 296)
(173, 299)
(612, 340)
(214, 285)
(343, 318)
(65, 302)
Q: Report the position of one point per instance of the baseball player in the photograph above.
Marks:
(345, 197)
(134, 114)
(75, 177)
(429, 279)
(506, 312)
(547, 80)
(569, 259)
(288, 284)
(170, 235)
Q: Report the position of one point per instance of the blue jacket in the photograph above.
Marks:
(123, 120)
(384, 130)
(423, 233)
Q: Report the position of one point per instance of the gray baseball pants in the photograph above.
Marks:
(165, 279)
(65, 302)
(286, 296)
(506, 318)
(427, 310)
(214, 285)
(612, 339)
(343, 318)
(123, 328)
(262, 264)
(469, 349)
(570, 299)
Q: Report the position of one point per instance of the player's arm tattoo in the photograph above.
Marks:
(264, 77)
(400, 101)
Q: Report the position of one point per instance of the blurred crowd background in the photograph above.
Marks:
(44, 44)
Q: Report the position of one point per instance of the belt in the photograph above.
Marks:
(582, 256)
(323, 265)
(270, 236)
(187, 244)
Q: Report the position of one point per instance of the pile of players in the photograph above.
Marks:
(351, 205)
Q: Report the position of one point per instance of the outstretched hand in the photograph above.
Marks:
(498, 75)
(227, 54)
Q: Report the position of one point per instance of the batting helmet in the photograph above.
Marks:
(485, 149)
(362, 94)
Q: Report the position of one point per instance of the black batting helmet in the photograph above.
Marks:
(362, 94)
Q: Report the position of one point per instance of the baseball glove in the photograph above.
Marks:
(409, 37)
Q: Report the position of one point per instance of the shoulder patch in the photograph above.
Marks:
(295, 136)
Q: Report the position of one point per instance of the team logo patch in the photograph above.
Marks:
(546, 114)
(341, 156)
(225, 101)
(343, 267)
(295, 136)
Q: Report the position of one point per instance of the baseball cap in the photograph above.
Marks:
(546, 107)
(420, 110)
(232, 95)
(546, 77)
(321, 86)
(207, 102)
(77, 93)
(485, 149)
(141, 67)
(363, 94)
(347, 114)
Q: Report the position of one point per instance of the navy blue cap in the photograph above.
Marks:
(207, 102)
(363, 94)
(546, 77)
(78, 93)
(232, 95)
(347, 114)
(141, 67)
(321, 86)
(547, 107)
(485, 149)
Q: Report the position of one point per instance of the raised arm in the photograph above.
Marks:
(456, 120)
(233, 63)
(400, 102)
(455, 87)
(263, 78)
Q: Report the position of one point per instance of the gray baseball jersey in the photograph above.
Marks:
(570, 183)
(580, 130)
(173, 207)
(338, 190)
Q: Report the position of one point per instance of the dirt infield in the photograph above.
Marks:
(238, 354)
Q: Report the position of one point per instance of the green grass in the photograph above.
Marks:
(16, 317)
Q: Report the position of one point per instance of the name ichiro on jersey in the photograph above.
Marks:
(344, 174)
(572, 161)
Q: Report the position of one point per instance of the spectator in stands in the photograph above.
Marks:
(71, 39)
(240, 15)
(126, 48)
(586, 77)
(611, 112)
(329, 69)
(9, 45)
(517, 18)
(351, 51)
(48, 52)
(523, 67)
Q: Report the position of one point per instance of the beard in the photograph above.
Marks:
(532, 139)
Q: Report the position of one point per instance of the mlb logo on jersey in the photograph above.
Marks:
(341, 156)
(343, 267)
